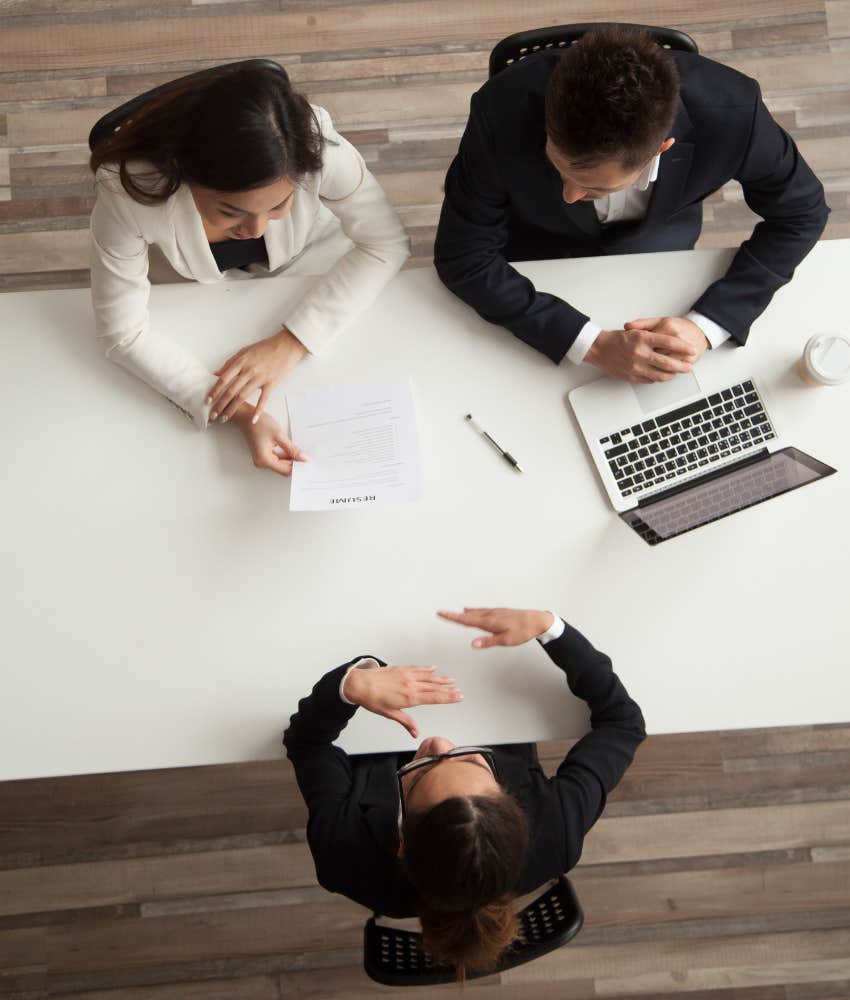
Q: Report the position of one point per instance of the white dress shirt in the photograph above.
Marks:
(122, 230)
(627, 206)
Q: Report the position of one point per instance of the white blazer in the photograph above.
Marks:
(122, 230)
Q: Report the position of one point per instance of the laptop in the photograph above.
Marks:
(676, 455)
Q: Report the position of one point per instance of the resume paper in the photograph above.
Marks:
(362, 443)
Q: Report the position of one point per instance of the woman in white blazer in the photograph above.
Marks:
(225, 174)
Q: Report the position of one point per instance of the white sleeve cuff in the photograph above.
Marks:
(555, 630)
(365, 663)
(714, 332)
(583, 342)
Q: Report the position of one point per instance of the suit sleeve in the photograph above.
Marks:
(380, 248)
(779, 186)
(594, 765)
(120, 291)
(469, 251)
(324, 776)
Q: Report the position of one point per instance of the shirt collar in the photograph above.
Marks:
(649, 174)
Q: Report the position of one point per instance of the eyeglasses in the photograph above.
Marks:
(423, 762)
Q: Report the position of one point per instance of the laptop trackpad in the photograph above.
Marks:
(664, 395)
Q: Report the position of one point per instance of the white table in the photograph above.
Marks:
(162, 607)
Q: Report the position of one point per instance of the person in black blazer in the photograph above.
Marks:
(610, 147)
(454, 837)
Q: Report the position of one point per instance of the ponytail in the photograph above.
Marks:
(472, 941)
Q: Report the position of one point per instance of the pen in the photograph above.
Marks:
(506, 455)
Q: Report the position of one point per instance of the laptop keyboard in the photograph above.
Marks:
(716, 499)
(688, 439)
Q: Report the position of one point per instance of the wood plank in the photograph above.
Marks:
(700, 895)
(774, 971)
(31, 7)
(691, 755)
(826, 154)
(203, 937)
(835, 990)
(840, 853)
(765, 35)
(781, 741)
(69, 818)
(721, 831)
(47, 90)
(51, 279)
(244, 988)
(671, 961)
(352, 983)
(326, 70)
(784, 73)
(733, 993)
(838, 18)
(413, 187)
(138, 880)
(45, 208)
(334, 29)
(23, 947)
(54, 128)
(398, 105)
(43, 251)
(818, 108)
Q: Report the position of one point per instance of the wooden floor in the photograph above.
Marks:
(396, 76)
(721, 870)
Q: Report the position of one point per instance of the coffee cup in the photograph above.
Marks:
(826, 359)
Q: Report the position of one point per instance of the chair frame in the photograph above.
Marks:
(519, 46)
(517, 954)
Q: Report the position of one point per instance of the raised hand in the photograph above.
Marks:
(387, 690)
(507, 627)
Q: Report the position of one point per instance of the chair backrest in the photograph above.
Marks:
(517, 47)
(396, 957)
(113, 120)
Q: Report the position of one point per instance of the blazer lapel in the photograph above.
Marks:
(673, 171)
(376, 792)
(190, 239)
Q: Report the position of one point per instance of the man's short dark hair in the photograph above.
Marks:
(612, 96)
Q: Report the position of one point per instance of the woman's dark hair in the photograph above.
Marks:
(464, 858)
(612, 96)
(233, 131)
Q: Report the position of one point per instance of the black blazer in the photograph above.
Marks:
(353, 801)
(504, 202)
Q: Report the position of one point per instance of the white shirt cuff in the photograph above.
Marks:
(714, 332)
(555, 630)
(364, 663)
(583, 342)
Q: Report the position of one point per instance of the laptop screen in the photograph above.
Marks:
(698, 502)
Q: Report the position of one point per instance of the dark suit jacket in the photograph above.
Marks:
(353, 801)
(504, 202)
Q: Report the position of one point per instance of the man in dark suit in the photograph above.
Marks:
(354, 828)
(610, 147)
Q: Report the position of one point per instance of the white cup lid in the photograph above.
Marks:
(829, 357)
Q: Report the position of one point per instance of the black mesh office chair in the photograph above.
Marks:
(113, 120)
(516, 47)
(396, 957)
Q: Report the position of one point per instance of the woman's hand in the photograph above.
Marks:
(387, 690)
(506, 626)
(257, 366)
(270, 447)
